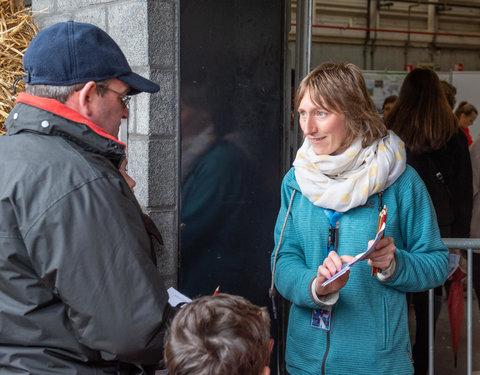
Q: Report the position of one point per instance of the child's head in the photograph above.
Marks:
(218, 335)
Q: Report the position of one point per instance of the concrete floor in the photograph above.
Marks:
(444, 358)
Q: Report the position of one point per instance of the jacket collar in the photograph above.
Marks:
(50, 117)
(54, 106)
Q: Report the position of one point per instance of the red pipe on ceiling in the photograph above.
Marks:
(393, 31)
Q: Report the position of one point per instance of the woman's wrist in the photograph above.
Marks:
(322, 300)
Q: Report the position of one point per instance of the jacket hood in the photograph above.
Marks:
(291, 181)
(50, 117)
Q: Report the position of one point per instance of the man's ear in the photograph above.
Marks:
(265, 371)
(81, 101)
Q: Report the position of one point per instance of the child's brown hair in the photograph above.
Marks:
(218, 335)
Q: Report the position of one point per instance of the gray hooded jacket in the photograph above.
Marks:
(79, 293)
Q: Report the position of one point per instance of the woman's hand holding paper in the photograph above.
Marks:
(331, 265)
(383, 254)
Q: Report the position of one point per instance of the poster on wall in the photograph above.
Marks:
(381, 84)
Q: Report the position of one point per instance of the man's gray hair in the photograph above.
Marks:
(61, 93)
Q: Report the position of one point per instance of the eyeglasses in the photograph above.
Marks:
(125, 99)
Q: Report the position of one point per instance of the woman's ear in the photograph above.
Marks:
(266, 371)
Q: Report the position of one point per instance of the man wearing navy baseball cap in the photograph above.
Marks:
(78, 289)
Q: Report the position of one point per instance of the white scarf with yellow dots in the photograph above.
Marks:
(341, 182)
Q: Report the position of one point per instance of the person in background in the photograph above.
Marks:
(128, 179)
(78, 289)
(150, 226)
(438, 151)
(219, 335)
(348, 168)
(466, 114)
(475, 223)
(450, 93)
(388, 105)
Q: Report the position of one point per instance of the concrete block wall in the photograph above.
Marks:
(148, 32)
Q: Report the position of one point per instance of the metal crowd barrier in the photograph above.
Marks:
(455, 243)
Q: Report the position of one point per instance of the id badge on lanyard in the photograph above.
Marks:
(322, 317)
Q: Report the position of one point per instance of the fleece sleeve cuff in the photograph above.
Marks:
(327, 300)
(389, 273)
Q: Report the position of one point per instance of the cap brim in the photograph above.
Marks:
(138, 84)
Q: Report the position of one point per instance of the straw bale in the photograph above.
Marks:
(17, 29)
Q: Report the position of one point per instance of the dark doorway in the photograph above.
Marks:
(231, 89)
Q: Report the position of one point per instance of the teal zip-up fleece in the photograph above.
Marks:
(369, 329)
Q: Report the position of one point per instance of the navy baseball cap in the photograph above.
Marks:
(72, 52)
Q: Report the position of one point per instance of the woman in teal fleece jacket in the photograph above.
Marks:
(347, 170)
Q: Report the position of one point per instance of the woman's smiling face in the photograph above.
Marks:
(326, 130)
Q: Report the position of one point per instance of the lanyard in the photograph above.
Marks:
(333, 218)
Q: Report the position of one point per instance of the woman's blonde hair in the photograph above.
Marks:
(340, 87)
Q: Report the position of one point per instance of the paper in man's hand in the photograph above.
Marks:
(175, 297)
